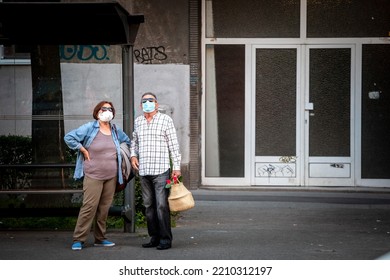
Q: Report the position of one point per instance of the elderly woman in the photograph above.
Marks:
(99, 164)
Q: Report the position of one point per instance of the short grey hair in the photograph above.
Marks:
(149, 93)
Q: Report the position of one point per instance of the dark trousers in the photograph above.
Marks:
(157, 213)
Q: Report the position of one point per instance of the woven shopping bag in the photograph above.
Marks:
(180, 198)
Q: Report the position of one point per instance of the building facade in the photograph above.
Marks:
(295, 93)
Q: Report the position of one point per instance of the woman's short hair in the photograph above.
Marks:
(97, 108)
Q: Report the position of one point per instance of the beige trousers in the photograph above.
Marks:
(97, 199)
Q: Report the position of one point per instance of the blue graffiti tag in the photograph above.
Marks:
(84, 52)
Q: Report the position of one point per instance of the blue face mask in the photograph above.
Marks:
(149, 106)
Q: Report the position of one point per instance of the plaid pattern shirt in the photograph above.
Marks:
(154, 143)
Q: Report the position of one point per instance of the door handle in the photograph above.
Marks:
(309, 107)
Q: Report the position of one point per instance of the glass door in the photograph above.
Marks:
(302, 122)
(328, 116)
(275, 121)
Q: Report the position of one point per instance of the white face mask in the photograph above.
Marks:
(106, 116)
(148, 106)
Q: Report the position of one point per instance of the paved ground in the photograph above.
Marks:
(242, 224)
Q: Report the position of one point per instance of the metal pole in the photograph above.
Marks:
(128, 126)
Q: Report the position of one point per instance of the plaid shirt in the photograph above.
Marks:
(154, 144)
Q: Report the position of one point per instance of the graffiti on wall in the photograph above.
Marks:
(84, 52)
(149, 55)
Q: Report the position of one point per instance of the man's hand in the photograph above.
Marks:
(135, 163)
(176, 173)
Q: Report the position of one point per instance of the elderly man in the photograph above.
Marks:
(153, 148)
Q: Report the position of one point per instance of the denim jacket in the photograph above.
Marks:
(84, 135)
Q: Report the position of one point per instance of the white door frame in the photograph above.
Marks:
(276, 170)
(329, 171)
(300, 171)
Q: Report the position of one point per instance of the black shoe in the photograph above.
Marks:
(163, 246)
(150, 244)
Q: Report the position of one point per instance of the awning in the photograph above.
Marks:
(28, 23)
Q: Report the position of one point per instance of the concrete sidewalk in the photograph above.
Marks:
(241, 224)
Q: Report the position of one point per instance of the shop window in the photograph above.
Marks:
(225, 110)
(252, 19)
(44, 100)
(16, 51)
(330, 92)
(375, 112)
(15, 54)
(335, 19)
(276, 102)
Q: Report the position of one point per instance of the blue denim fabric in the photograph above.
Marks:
(157, 213)
(83, 136)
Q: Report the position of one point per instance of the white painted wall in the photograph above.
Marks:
(170, 83)
(85, 85)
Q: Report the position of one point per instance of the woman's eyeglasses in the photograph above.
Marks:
(144, 100)
(106, 109)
